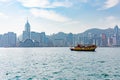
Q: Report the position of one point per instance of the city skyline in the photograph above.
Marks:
(52, 16)
(104, 38)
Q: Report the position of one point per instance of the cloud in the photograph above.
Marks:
(73, 22)
(84, 1)
(109, 18)
(5, 0)
(49, 14)
(45, 3)
(109, 21)
(2, 15)
(38, 8)
(62, 4)
(109, 4)
(112, 20)
(34, 3)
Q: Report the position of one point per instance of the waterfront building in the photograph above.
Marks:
(43, 39)
(27, 43)
(35, 36)
(91, 39)
(110, 41)
(49, 42)
(59, 43)
(69, 39)
(4, 40)
(8, 40)
(12, 39)
(26, 32)
(116, 39)
(104, 40)
(116, 30)
(36, 43)
(0, 39)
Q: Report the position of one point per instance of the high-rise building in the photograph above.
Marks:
(35, 36)
(104, 40)
(110, 41)
(12, 39)
(26, 32)
(116, 36)
(69, 39)
(116, 29)
(43, 40)
(8, 40)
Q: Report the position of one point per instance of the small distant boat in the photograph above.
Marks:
(84, 48)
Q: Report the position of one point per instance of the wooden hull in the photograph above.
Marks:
(82, 49)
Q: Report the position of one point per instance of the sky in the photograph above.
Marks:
(52, 16)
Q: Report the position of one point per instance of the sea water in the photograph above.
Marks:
(59, 64)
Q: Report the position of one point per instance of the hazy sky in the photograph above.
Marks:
(52, 16)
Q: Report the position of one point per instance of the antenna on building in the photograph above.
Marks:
(27, 19)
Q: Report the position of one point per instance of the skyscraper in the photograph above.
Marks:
(116, 36)
(104, 40)
(8, 40)
(26, 32)
(116, 29)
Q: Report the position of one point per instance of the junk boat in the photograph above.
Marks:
(84, 48)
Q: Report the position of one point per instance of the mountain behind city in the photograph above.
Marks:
(102, 37)
(90, 31)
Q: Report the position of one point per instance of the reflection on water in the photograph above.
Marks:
(59, 64)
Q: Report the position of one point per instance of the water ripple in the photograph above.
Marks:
(59, 64)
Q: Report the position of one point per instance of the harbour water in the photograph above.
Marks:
(59, 64)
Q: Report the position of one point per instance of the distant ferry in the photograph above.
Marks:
(84, 48)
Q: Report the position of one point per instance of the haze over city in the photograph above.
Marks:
(52, 16)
